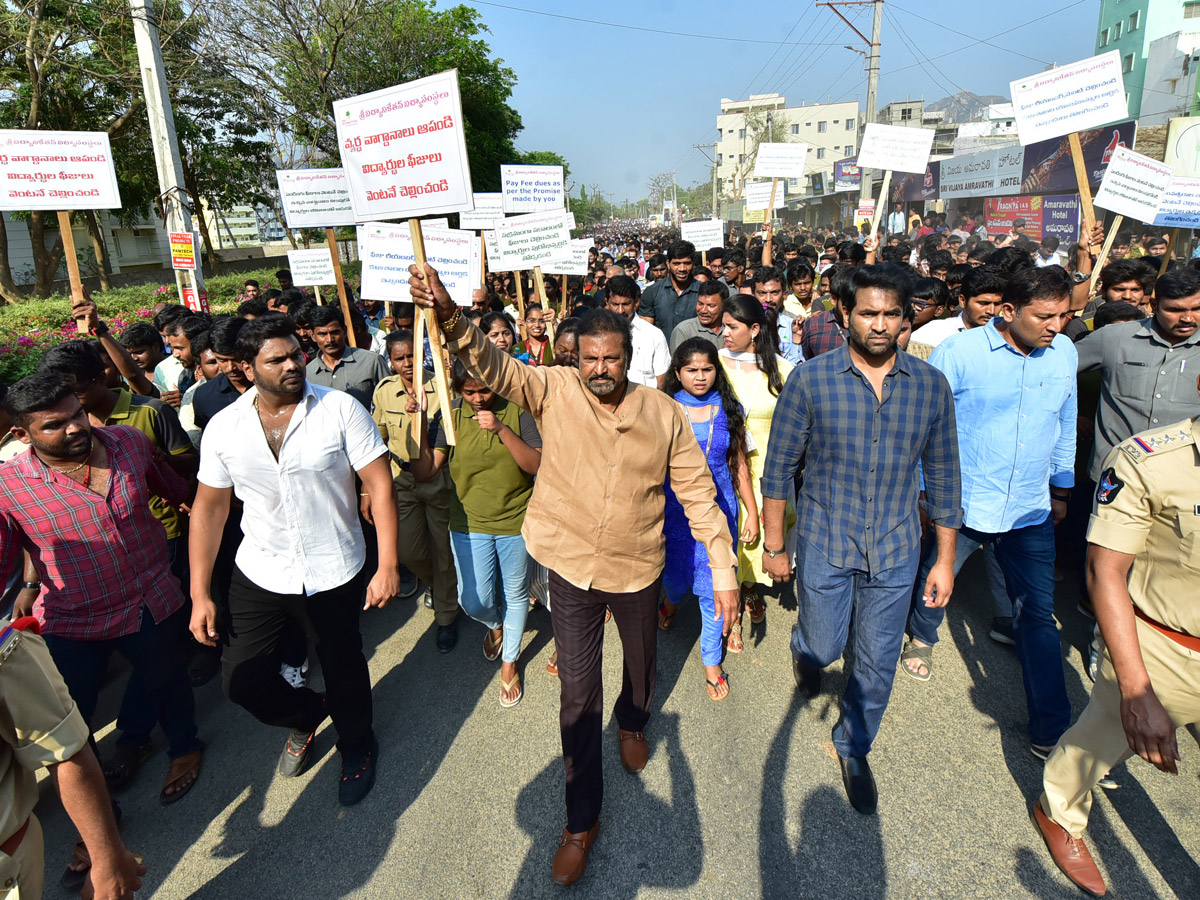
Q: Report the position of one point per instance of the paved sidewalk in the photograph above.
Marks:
(740, 799)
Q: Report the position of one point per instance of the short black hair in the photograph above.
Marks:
(190, 327)
(36, 393)
(397, 337)
(169, 314)
(250, 281)
(852, 252)
(622, 286)
(79, 360)
(884, 276)
(767, 273)
(1115, 311)
(596, 322)
(1121, 270)
(1177, 284)
(1049, 242)
(283, 272)
(933, 290)
(940, 259)
(322, 316)
(983, 280)
(255, 307)
(1010, 259)
(1031, 284)
(141, 334)
(254, 334)
(681, 250)
(714, 288)
(800, 270)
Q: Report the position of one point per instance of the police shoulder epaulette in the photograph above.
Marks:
(1149, 444)
(10, 634)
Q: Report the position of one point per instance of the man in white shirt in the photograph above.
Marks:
(1047, 254)
(291, 450)
(895, 219)
(981, 291)
(651, 356)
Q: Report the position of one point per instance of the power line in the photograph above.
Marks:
(746, 90)
(971, 36)
(918, 56)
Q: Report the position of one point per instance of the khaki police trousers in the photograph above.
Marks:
(1096, 743)
(424, 509)
(23, 875)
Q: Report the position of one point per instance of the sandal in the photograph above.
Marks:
(177, 771)
(491, 652)
(73, 880)
(714, 686)
(124, 763)
(755, 605)
(506, 687)
(733, 643)
(923, 655)
(665, 622)
(607, 614)
(552, 664)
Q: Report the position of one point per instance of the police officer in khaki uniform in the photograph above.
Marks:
(1143, 570)
(41, 726)
(424, 506)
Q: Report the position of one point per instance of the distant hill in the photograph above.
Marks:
(963, 106)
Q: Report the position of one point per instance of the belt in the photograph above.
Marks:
(9, 847)
(1182, 639)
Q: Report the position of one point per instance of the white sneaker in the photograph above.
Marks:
(296, 676)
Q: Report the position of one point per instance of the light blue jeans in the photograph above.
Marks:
(486, 562)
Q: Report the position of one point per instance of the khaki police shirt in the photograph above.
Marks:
(390, 404)
(1148, 505)
(39, 723)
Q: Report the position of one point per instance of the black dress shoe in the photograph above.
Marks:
(808, 680)
(447, 637)
(860, 784)
(358, 774)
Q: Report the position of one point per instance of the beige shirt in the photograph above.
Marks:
(596, 515)
(1148, 505)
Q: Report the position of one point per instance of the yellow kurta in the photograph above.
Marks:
(759, 404)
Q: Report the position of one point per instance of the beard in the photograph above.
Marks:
(602, 385)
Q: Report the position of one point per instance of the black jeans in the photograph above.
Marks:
(578, 618)
(260, 619)
(153, 651)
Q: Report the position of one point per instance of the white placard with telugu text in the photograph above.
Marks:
(895, 148)
(313, 267)
(780, 160)
(1082, 95)
(57, 170)
(1133, 185)
(315, 198)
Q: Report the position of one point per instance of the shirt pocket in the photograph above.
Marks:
(1132, 380)
(1053, 391)
(321, 451)
(1189, 545)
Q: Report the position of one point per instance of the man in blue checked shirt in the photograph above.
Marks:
(870, 418)
(1015, 399)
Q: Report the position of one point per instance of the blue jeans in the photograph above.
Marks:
(485, 562)
(827, 596)
(1026, 557)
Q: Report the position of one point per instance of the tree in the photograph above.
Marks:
(762, 126)
(546, 158)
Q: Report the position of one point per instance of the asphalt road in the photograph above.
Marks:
(740, 799)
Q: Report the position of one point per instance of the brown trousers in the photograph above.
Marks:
(424, 509)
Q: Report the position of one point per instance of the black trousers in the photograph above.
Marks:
(578, 618)
(260, 620)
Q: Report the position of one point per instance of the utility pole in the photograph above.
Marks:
(864, 191)
(177, 213)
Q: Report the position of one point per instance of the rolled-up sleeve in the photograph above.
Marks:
(527, 386)
(1062, 459)
(791, 426)
(940, 464)
(1121, 524)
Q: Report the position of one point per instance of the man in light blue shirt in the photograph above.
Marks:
(1015, 403)
(768, 285)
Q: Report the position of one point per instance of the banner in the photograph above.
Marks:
(195, 302)
(1047, 167)
(895, 147)
(990, 173)
(534, 239)
(404, 149)
(183, 250)
(57, 170)
(1077, 97)
(919, 186)
(1056, 215)
(311, 267)
(1180, 207)
(314, 198)
(386, 252)
(780, 160)
(1133, 185)
(1183, 146)
(847, 176)
(865, 211)
(529, 189)
(704, 234)
(489, 209)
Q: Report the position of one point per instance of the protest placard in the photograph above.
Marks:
(754, 217)
(386, 251)
(574, 263)
(533, 239)
(489, 209)
(404, 149)
(1133, 185)
(183, 250)
(1180, 205)
(311, 267)
(57, 170)
(441, 222)
(894, 148)
(775, 160)
(758, 195)
(1082, 95)
(528, 189)
(704, 234)
(865, 211)
(315, 198)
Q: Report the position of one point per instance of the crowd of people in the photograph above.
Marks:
(846, 415)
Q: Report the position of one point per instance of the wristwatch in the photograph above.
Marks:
(772, 553)
(1080, 277)
(31, 585)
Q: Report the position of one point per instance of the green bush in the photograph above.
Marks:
(28, 329)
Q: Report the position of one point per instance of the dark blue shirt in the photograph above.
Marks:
(863, 458)
(668, 308)
(212, 397)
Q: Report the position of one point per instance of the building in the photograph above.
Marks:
(233, 227)
(1170, 87)
(829, 129)
(993, 126)
(1130, 27)
(913, 114)
(142, 245)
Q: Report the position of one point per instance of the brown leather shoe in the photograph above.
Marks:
(635, 750)
(572, 855)
(1069, 854)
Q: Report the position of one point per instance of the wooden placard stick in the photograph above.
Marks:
(68, 242)
(545, 299)
(418, 374)
(440, 381)
(519, 278)
(770, 221)
(331, 243)
(1166, 260)
(483, 261)
(317, 293)
(563, 299)
(882, 201)
(1108, 242)
(1081, 181)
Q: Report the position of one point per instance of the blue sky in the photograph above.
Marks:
(622, 105)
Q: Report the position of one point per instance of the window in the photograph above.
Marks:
(906, 115)
(820, 153)
(795, 129)
(849, 149)
(809, 124)
(1127, 64)
(1116, 31)
(1191, 10)
(741, 158)
(822, 127)
(792, 182)
(1135, 20)
(741, 134)
(850, 122)
(719, 158)
(1104, 38)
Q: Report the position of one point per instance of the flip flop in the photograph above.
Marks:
(723, 678)
(491, 652)
(124, 764)
(921, 654)
(733, 643)
(184, 765)
(505, 687)
(665, 622)
(71, 880)
(552, 663)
